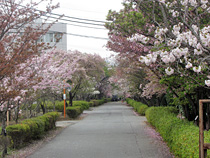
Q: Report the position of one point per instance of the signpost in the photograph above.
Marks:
(64, 96)
(64, 99)
(202, 146)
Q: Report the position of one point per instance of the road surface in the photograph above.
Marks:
(112, 130)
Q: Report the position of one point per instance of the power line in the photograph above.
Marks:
(73, 21)
(85, 36)
(80, 25)
(79, 18)
(71, 17)
(87, 26)
(102, 38)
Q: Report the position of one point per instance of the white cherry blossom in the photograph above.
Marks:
(197, 69)
(207, 82)
(169, 71)
(189, 65)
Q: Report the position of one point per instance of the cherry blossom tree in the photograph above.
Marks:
(181, 48)
(88, 75)
(19, 37)
(129, 32)
(176, 35)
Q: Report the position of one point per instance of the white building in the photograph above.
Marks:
(57, 33)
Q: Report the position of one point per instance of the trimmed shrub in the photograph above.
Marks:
(138, 106)
(142, 109)
(102, 101)
(90, 104)
(59, 106)
(53, 116)
(30, 129)
(4, 141)
(41, 127)
(50, 106)
(74, 111)
(109, 99)
(181, 136)
(84, 104)
(98, 102)
(19, 134)
(34, 129)
(95, 102)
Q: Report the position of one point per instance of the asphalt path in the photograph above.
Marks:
(112, 130)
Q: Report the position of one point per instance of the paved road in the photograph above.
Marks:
(109, 131)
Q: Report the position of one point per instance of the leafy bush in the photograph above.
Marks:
(181, 136)
(138, 106)
(4, 141)
(129, 101)
(19, 134)
(95, 102)
(59, 106)
(142, 109)
(84, 104)
(109, 99)
(41, 127)
(74, 111)
(98, 102)
(30, 129)
(102, 101)
(90, 104)
(49, 105)
(34, 129)
(53, 116)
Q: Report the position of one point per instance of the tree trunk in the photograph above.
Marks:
(66, 103)
(70, 99)
(207, 118)
(53, 104)
(43, 108)
(30, 111)
(194, 112)
(186, 111)
(16, 113)
(3, 132)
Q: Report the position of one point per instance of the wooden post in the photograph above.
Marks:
(7, 117)
(201, 136)
(202, 147)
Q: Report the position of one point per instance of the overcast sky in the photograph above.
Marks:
(87, 9)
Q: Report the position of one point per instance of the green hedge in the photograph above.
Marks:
(95, 102)
(98, 102)
(30, 129)
(91, 104)
(101, 101)
(138, 106)
(181, 136)
(108, 99)
(74, 111)
(84, 104)
(59, 105)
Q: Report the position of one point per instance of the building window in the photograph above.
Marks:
(51, 37)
